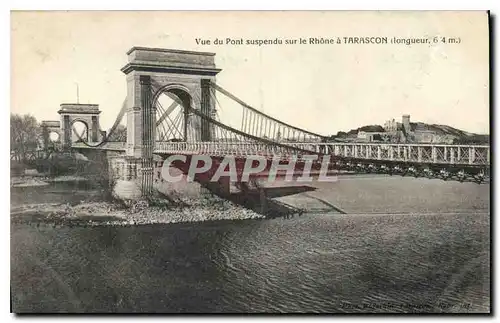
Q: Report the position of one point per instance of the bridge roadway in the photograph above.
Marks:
(439, 154)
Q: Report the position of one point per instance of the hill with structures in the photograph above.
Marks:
(448, 134)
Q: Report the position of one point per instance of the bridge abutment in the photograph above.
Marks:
(126, 177)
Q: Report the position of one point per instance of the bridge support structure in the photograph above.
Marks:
(88, 115)
(185, 76)
(49, 127)
(148, 118)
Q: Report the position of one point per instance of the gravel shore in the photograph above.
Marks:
(141, 212)
(163, 208)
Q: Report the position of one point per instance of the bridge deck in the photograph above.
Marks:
(472, 155)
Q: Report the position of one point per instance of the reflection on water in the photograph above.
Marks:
(312, 263)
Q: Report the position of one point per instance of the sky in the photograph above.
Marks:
(321, 88)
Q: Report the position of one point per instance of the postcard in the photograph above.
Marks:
(250, 162)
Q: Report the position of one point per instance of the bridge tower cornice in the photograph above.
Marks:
(183, 74)
(172, 61)
(153, 68)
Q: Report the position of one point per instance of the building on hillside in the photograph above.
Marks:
(407, 132)
(391, 125)
(403, 132)
(372, 136)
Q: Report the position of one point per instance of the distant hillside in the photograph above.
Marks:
(354, 132)
(459, 136)
(369, 128)
(439, 129)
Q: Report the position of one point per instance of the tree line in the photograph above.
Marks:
(25, 135)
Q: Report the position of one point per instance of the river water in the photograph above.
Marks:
(428, 252)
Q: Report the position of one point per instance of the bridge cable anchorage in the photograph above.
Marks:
(118, 119)
(258, 113)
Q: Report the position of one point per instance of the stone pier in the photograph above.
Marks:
(126, 174)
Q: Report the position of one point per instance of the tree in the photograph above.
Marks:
(120, 134)
(341, 134)
(24, 135)
(372, 128)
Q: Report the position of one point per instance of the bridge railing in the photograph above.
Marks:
(475, 155)
(240, 149)
(417, 153)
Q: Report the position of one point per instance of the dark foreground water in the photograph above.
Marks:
(429, 262)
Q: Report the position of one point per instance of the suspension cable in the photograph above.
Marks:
(167, 117)
(233, 97)
(254, 138)
(111, 131)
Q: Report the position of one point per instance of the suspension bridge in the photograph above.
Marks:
(192, 125)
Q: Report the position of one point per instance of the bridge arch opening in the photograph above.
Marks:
(79, 122)
(173, 103)
(54, 136)
(79, 131)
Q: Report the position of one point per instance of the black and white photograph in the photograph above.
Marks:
(243, 162)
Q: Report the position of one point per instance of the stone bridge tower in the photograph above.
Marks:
(87, 114)
(153, 71)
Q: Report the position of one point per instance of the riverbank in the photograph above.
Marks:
(71, 200)
(78, 201)
(109, 213)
